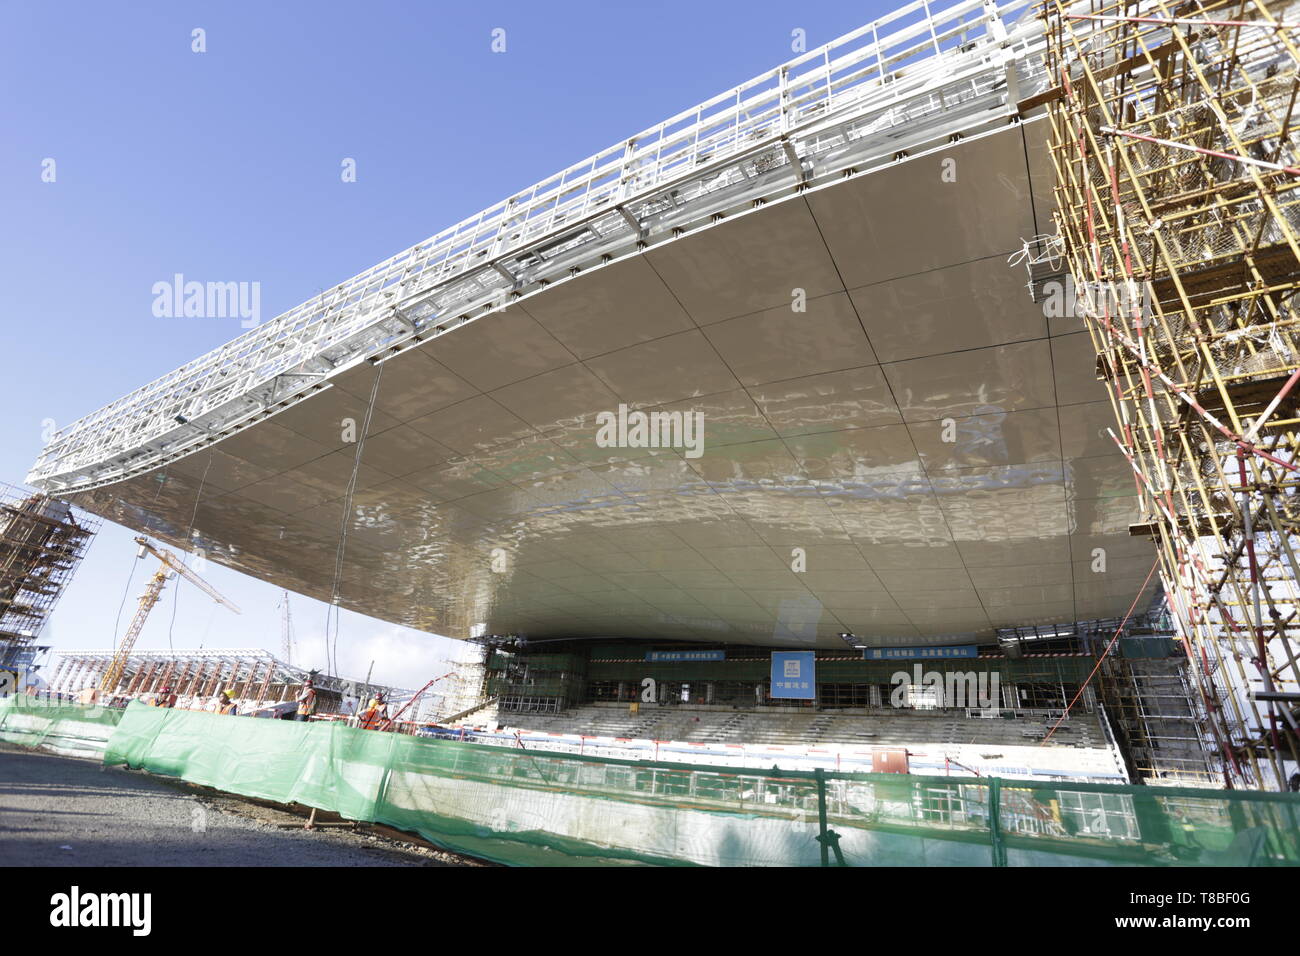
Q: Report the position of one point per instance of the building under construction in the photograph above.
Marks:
(912, 458)
(256, 679)
(42, 540)
(1178, 184)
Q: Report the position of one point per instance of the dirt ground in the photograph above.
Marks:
(64, 811)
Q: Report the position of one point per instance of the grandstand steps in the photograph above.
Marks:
(1004, 745)
(930, 730)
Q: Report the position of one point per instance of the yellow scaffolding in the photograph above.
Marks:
(1178, 196)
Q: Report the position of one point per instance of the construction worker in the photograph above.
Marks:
(374, 715)
(226, 704)
(306, 701)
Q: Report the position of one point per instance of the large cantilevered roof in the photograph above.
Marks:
(898, 442)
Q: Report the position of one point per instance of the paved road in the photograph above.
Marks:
(61, 811)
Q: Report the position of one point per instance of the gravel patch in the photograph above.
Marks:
(63, 811)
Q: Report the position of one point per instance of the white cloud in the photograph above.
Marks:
(402, 657)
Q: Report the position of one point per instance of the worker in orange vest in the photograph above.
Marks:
(307, 700)
(226, 704)
(374, 715)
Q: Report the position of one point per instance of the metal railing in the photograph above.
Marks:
(911, 78)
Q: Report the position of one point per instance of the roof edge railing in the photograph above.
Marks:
(610, 198)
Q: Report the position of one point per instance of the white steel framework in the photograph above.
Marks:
(906, 83)
(147, 671)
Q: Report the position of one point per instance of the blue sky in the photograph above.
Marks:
(225, 166)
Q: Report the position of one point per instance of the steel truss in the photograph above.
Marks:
(198, 673)
(902, 85)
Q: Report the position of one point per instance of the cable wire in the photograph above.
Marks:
(331, 659)
(1118, 631)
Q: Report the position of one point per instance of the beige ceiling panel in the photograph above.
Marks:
(970, 305)
(1032, 614)
(414, 384)
(780, 344)
(1084, 430)
(856, 453)
(571, 395)
(331, 473)
(272, 447)
(1105, 515)
(919, 555)
(753, 558)
(900, 580)
(832, 401)
(1011, 597)
(1074, 361)
(1121, 544)
(993, 439)
(1107, 477)
(961, 384)
(906, 219)
(334, 418)
(216, 469)
(498, 349)
(284, 494)
(1015, 552)
(474, 425)
(1012, 576)
(764, 256)
(402, 450)
(675, 368)
(454, 479)
(610, 308)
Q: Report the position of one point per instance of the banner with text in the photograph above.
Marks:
(793, 675)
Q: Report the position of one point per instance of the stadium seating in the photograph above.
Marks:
(807, 727)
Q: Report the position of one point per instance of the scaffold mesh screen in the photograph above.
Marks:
(61, 728)
(522, 807)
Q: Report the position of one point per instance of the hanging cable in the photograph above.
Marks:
(117, 622)
(1118, 631)
(189, 537)
(331, 657)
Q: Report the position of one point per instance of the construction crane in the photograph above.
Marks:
(391, 722)
(171, 565)
(286, 630)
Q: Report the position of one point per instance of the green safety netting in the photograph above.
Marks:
(518, 806)
(526, 807)
(60, 727)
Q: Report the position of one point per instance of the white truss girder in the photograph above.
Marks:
(906, 82)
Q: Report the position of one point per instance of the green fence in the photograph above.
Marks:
(521, 807)
(62, 728)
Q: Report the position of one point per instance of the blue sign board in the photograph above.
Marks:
(686, 655)
(793, 676)
(919, 653)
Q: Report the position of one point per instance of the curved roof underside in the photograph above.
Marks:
(484, 501)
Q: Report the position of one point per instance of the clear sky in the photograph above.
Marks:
(226, 166)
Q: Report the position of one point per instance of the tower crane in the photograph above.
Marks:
(286, 630)
(171, 566)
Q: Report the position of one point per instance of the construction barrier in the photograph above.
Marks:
(57, 726)
(521, 807)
